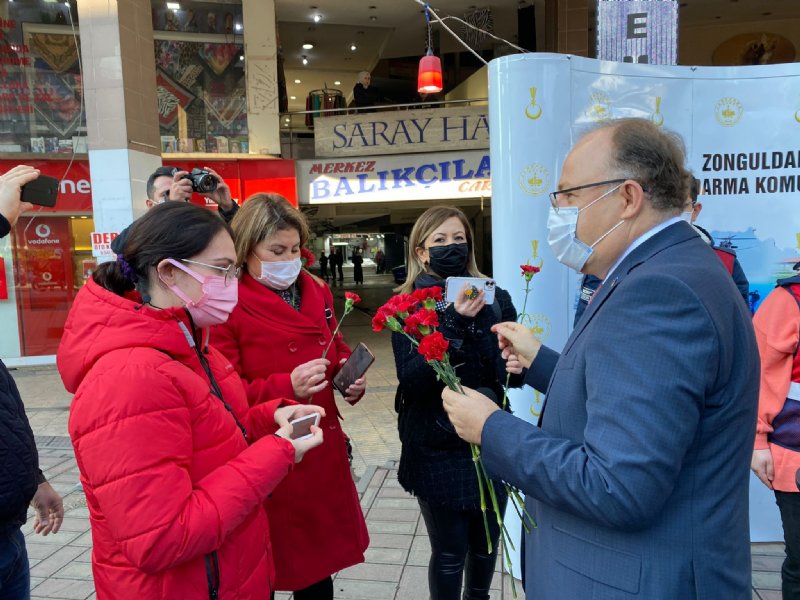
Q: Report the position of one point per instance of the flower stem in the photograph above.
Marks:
(476, 461)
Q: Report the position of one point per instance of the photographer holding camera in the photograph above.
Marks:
(171, 183)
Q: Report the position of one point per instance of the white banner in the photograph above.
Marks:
(389, 178)
(740, 126)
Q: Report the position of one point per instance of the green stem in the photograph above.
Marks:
(335, 331)
(521, 502)
(492, 495)
(476, 461)
(515, 504)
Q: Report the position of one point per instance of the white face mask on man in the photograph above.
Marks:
(279, 275)
(562, 234)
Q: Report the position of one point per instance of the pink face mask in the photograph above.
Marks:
(217, 302)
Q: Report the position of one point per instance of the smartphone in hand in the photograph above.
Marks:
(42, 191)
(301, 428)
(455, 286)
(355, 367)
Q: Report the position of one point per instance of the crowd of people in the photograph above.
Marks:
(636, 474)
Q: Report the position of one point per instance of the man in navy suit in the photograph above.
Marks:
(638, 473)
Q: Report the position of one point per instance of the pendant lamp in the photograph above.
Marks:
(429, 79)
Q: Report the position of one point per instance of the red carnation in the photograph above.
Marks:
(402, 303)
(433, 292)
(379, 321)
(352, 296)
(528, 271)
(307, 257)
(433, 347)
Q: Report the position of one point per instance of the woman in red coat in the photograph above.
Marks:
(275, 338)
(174, 464)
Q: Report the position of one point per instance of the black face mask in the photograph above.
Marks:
(450, 260)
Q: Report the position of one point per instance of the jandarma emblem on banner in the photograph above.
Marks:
(533, 111)
(600, 108)
(728, 111)
(534, 180)
(657, 118)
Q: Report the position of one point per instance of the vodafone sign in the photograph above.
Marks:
(75, 189)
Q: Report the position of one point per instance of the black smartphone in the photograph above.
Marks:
(355, 367)
(41, 191)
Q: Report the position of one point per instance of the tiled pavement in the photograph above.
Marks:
(395, 566)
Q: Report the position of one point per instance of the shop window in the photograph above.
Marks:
(41, 106)
(200, 78)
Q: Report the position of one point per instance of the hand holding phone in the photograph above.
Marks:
(11, 203)
(355, 368)
(301, 428)
(474, 285)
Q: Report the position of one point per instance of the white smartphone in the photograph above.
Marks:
(301, 428)
(455, 286)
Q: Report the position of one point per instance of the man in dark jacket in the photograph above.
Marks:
(171, 183)
(21, 480)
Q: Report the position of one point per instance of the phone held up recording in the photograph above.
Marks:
(455, 286)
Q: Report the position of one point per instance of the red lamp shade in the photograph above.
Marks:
(429, 80)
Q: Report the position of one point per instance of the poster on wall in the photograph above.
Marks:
(739, 126)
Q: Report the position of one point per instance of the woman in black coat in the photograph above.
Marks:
(435, 464)
(358, 270)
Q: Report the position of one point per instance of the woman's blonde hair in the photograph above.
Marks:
(426, 224)
(260, 217)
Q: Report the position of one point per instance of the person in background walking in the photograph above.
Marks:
(380, 259)
(21, 479)
(339, 264)
(358, 270)
(323, 265)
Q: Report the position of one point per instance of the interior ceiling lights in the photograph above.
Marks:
(429, 79)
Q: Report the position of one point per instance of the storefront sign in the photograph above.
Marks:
(388, 178)
(74, 190)
(638, 31)
(397, 132)
(101, 243)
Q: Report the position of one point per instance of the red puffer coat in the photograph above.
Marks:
(175, 493)
(316, 521)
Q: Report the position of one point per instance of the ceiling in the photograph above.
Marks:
(396, 28)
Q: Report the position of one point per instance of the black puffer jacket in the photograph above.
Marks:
(435, 464)
(19, 461)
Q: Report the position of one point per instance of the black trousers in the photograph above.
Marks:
(458, 548)
(322, 590)
(789, 505)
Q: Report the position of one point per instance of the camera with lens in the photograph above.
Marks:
(203, 182)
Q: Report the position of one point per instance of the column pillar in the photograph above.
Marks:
(119, 83)
(261, 68)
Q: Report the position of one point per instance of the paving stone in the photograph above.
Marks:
(391, 503)
(56, 561)
(406, 527)
(77, 512)
(84, 539)
(420, 553)
(86, 556)
(393, 514)
(372, 572)
(69, 589)
(386, 556)
(765, 548)
(73, 523)
(394, 492)
(768, 595)
(413, 584)
(53, 539)
(390, 540)
(352, 589)
(767, 580)
(36, 581)
(39, 551)
(764, 562)
(76, 570)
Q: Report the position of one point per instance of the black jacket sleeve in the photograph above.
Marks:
(227, 215)
(740, 279)
(19, 460)
(5, 227)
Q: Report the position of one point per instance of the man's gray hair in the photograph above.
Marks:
(361, 74)
(652, 156)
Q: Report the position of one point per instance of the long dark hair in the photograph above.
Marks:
(169, 230)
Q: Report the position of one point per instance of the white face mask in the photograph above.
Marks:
(279, 275)
(687, 216)
(562, 228)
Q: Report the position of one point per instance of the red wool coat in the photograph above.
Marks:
(175, 493)
(316, 521)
